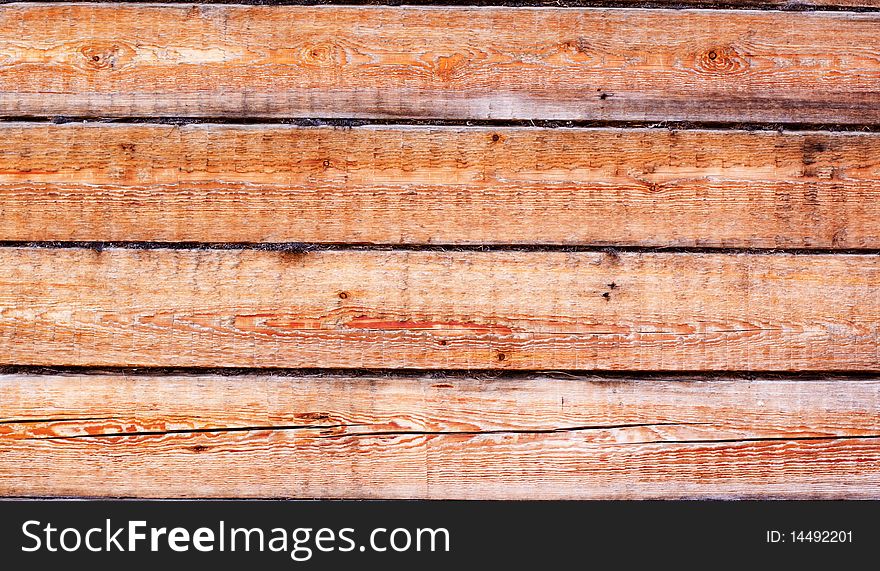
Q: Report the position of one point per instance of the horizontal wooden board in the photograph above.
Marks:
(457, 310)
(439, 62)
(439, 185)
(430, 437)
(754, 4)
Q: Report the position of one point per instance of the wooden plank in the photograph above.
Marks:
(429, 437)
(755, 4)
(439, 62)
(456, 310)
(439, 185)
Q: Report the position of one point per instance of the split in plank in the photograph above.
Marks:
(430, 437)
(441, 310)
(439, 62)
(439, 185)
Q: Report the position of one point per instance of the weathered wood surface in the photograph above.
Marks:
(446, 437)
(439, 185)
(753, 4)
(439, 62)
(457, 310)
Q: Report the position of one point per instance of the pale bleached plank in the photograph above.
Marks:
(439, 62)
(434, 309)
(437, 437)
(439, 185)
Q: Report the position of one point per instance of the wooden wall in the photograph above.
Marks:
(373, 251)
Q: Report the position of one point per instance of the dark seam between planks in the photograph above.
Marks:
(350, 123)
(309, 247)
(745, 496)
(791, 6)
(307, 373)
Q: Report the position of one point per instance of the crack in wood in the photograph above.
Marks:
(512, 431)
(200, 431)
(373, 433)
(557, 430)
(757, 439)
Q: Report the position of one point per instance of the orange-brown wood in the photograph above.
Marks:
(437, 437)
(547, 434)
(498, 310)
(439, 185)
(439, 62)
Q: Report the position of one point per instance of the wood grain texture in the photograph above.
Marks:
(448, 437)
(454, 310)
(439, 185)
(756, 4)
(440, 62)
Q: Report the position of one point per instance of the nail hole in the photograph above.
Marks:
(712, 55)
(501, 356)
(343, 295)
(96, 58)
(496, 137)
(326, 164)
